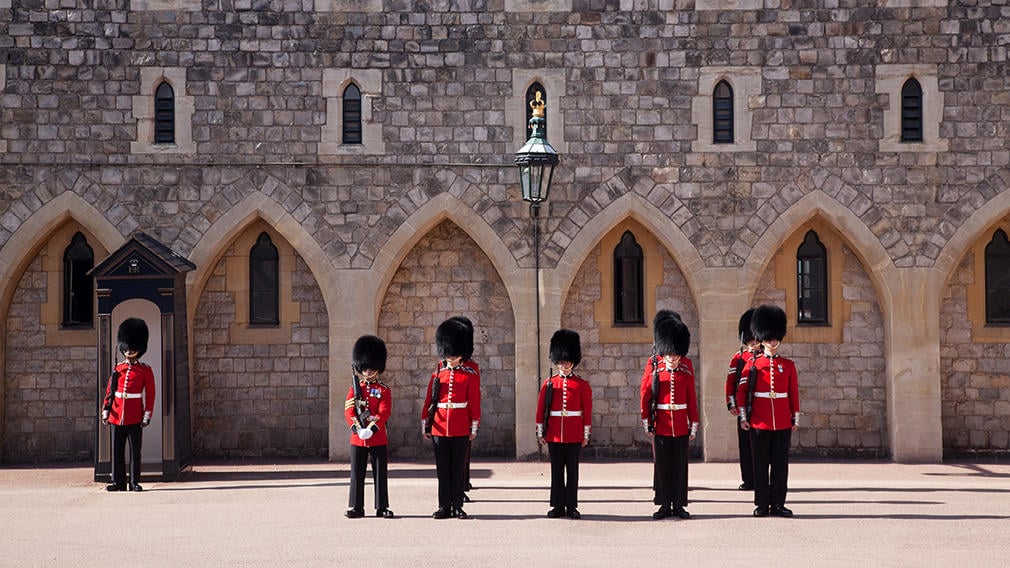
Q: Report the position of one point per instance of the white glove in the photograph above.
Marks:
(365, 433)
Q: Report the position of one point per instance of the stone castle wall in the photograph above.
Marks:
(263, 399)
(49, 391)
(631, 85)
(975, 377)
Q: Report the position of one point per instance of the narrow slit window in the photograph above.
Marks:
(78, 285)
(352, 115)
(629, 290)
(911, 111)
(997, 280)
(722, 114)
(264, 283)
(164, 114)
(812, 281)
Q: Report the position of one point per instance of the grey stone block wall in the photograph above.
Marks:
(263, 400)
(50, 402)
(255, 73)
(975, 378)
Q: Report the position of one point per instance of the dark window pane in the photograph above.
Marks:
(812, 281)
(78, 286)
(352, 115)
(722, 114)
(164, 114)
(264, 282)
(911, 111)
(629, 289)
(997, 280)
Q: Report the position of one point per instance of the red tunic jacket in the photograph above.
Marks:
(129, 398)
(678, 402)
(571, 410)
(776, 399)
(740, 359)
(380, 405)
(458, 400)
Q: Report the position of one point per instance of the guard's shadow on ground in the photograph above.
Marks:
(205, 478)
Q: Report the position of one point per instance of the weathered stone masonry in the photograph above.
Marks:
(816, 84)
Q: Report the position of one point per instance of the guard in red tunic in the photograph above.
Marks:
(451, 414)
(367, 409)
(469, 362)
(129, 403)
(564, 422)
(748, 346)
(669, 408)
(769, 403)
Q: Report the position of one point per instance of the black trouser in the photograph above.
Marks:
(450, 464)
(746, 461)
(359, 460)
(466, 476)
(671, 470)
(120, 434)
(770, 449)
(564, 458)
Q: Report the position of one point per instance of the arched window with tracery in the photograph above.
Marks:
(812, 281)
(911, 111)
(997, 280)
(264, 282)
(722, 113)
(629, 288)
(78, 285)
(164, 114)
(351, 115)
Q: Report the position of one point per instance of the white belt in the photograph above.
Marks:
(566, 413)
(671, 407)
(129, 395)
(771, 395)
(452, 405)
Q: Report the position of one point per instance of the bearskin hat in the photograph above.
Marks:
(768, 323)
(671, 337)
(743, 328)
(132, 336)
(369, 353)
(454, 339)
(469, 325)
(565, 346)
(664, 314)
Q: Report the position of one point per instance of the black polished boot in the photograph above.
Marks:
(781, 511)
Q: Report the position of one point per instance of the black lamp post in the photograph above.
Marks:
(536, 161)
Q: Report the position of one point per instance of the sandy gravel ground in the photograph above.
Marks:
(866, 514)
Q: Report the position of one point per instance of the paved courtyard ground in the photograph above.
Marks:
(261, 514)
